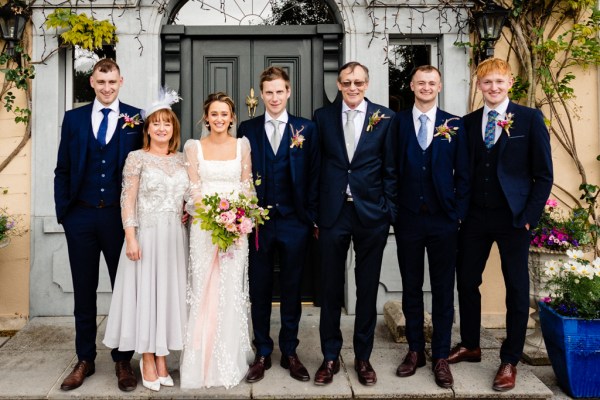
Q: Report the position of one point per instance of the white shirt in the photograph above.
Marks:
(270, 129)
(416, 113)
(501, 109)
(113, 118)
(359, 119)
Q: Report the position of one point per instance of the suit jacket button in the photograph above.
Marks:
(349, 171)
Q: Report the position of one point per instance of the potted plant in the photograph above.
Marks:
(8, 227)
(556, 232)
(570, 319)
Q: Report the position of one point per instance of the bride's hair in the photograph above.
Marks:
(223, 98)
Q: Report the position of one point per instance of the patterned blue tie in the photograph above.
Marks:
(103, 127)
(490, 129)
(422, 134)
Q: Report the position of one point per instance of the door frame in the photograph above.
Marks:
(177, 59)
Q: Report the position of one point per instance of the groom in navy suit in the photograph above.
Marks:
(356, 203)
(433, 189)
(509, 150)
(285, 158)
(87, 188)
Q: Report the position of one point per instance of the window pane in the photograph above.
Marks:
(402, 60)
(83, 63)
(254, 12)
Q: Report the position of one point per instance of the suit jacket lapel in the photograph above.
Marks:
(288, 133)
(84, 135)
(502, 141)
(363, 133)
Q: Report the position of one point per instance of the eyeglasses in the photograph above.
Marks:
(358, 84)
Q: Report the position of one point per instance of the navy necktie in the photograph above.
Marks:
(103, 127)
(490, 129)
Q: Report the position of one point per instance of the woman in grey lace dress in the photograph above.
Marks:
(148, 310)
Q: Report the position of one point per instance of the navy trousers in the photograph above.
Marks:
(334, 243)
(481, 229)
(438, 234)
(89, 232)
(287, 236)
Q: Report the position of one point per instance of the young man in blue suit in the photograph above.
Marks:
(356, 203)
(433, 189)
(285, 157)
(509, 148)
(93, 147)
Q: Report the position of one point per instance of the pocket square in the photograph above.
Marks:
(132, 133)
(516, 137)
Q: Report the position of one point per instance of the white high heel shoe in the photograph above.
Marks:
(166, 380)
(152, 385)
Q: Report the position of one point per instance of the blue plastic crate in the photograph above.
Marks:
(573, 346)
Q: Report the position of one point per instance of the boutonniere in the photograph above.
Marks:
(297, 138)
(374, 119)
(446, 131)
(130, 121)
(506, 123)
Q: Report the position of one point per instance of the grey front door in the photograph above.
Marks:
(234, 66)
(198, 61)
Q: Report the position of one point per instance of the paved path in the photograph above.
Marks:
(34, 362)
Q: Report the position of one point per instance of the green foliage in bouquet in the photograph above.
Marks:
(229, 218)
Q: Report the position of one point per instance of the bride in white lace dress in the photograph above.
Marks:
(217, 342)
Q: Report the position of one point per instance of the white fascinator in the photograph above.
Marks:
(166, 97)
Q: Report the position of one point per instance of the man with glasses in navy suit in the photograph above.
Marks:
(356, 203)
(93, 147)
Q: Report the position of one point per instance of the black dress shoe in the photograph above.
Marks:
(460, 353)
(257, 369)
(442, 373)
(81, 370)
(366, 373)
(412, 361)
(326, 371)
(127, 379)
(297, 370)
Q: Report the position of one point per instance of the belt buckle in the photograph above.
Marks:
(101, 205)
(350, 199)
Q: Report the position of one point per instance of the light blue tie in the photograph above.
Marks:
(103, 127)
(490, 129)
(422, 134)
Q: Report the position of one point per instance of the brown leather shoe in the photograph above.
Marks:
(505, 377)
(412, 361)
(124, 372)
(443, 375)
(460, 353)
(257, 369)
(366, 373)
(297, 370)
(324, 374)
(81, 370)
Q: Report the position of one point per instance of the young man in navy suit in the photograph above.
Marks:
(356, 203)
(509, 149)
(433, 189)
(285, 157)
(87, 188)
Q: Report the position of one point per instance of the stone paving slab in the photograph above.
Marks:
(278, 384)
(3, 340)
(31, 374)
(384, 362)
(474, 380)
(46, 333)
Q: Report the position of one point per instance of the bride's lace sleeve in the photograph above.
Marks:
(246, 179)
(193, 195)
(129, 192)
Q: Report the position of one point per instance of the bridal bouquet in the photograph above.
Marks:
(229, 218)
